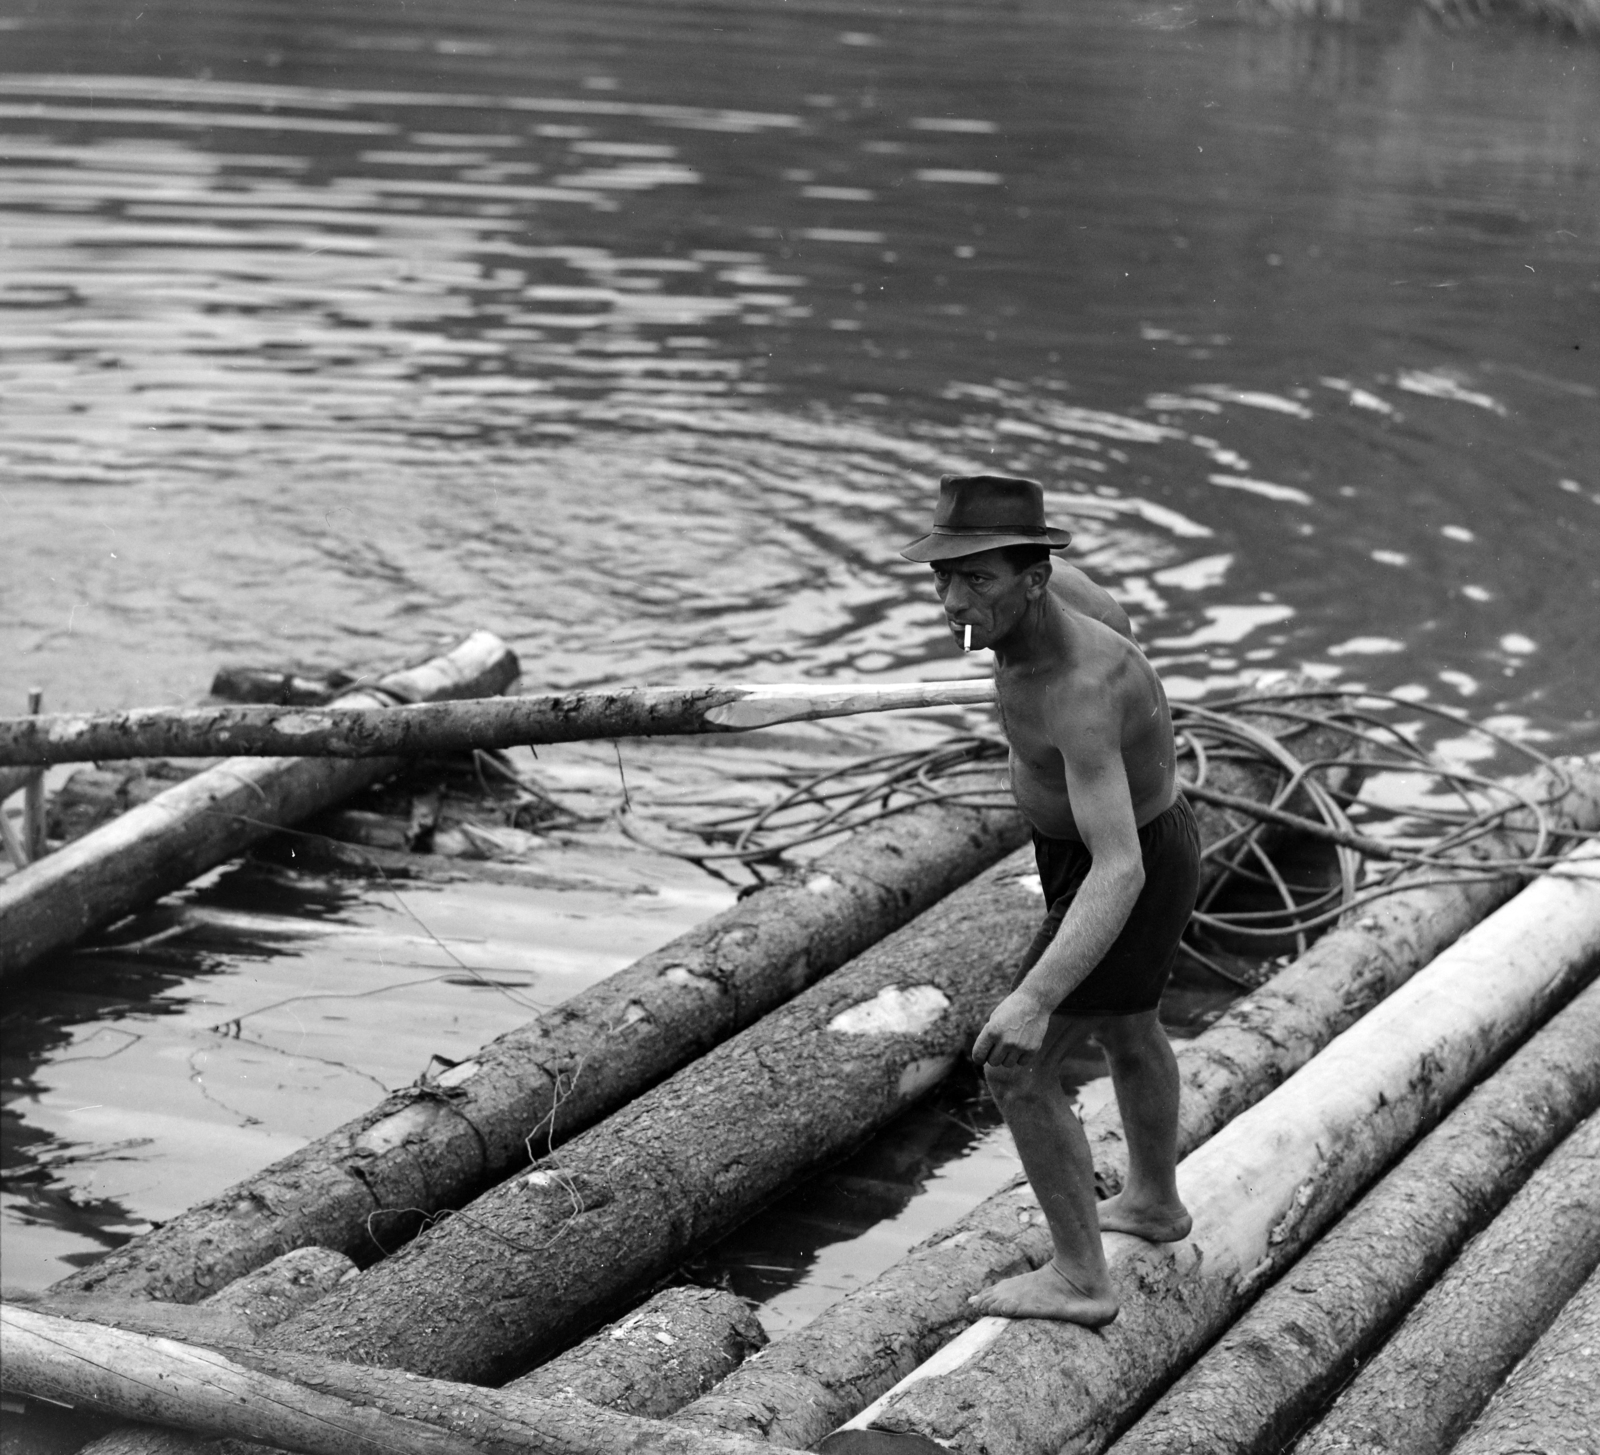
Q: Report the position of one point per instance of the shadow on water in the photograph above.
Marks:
(639, 333)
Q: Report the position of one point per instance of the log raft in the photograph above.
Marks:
(820, 1376)
(351, 729)
(1260, 1191)
(561, 1073)
(208, 819)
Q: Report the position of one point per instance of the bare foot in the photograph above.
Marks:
(1163, 1223)
(1046, 1293)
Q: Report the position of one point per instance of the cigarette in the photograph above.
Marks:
(966, 638)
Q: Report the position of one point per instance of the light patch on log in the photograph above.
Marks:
(961, 1350)
(462, 1071)
(821, 884)
(413, 1122)
(893, 1012)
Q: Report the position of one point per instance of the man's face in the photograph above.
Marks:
(983, 592)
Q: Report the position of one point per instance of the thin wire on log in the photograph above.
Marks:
(1421, 838)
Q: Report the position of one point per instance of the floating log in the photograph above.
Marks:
(1272, 1371)
(1425, 1385)
(425, 1149)
(12, 779)
(813, 1380)
(208, 819)
(313, 1406)
(1551, 1403)
(657, 1359)
(1260, 1190)
(348, 729)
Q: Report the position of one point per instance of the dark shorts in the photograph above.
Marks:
(1134, 971)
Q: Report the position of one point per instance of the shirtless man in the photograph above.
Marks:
(1118, 853)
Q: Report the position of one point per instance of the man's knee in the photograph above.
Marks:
(1018, 1085)
(1133, 1040)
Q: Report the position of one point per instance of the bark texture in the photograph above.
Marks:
(348, 728)
(208, 819)
(1551, 1403)
(437, 1146)
(810, 1382)
(1260, 1191)
(1425, 1385)
(528, 1266)
(657, 1359)
(1252, 1390)
(314, 1406)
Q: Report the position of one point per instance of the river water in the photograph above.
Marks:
(641, 333)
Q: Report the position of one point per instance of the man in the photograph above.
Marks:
(1092, 768)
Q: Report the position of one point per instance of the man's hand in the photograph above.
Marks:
(1014, 1032)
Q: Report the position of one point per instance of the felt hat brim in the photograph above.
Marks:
(940, 545)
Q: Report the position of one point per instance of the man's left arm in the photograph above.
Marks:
(1102, 807)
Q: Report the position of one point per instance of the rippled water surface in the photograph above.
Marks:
(640, 333)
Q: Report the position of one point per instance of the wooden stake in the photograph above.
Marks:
(369, 731)
(33, 826)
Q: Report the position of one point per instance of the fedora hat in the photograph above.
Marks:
(980, 512)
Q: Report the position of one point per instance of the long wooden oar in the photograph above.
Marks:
(452, 727)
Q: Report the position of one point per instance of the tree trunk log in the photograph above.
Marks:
(1259, 1190)
(349, 728)
(1272, 1370)
(657, 1359)
(208, 819)
(437, 1147)
(813, 1380)
(1425, 1385)
(309, 1405)
(1551, 1403)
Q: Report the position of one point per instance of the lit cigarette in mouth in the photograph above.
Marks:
(966, 638)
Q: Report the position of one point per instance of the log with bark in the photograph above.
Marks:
(1550, 1404)
(811, 1381)
(348, 729)
(1250, 1392)
(432, 1148)
(315, 1406)
(208, 819)
(658, 1358)
(1260, 1191)
(1433, 1375)
(438, 1146)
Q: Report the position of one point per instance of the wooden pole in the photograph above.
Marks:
(208, 819)
(1260, 1191)
(1271, 1372)
(1551, 1402)
(348, 729)
(1436, 1371)
(816, 1378)
(33, 826)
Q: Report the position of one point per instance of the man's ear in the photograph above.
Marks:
(1038, 576)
